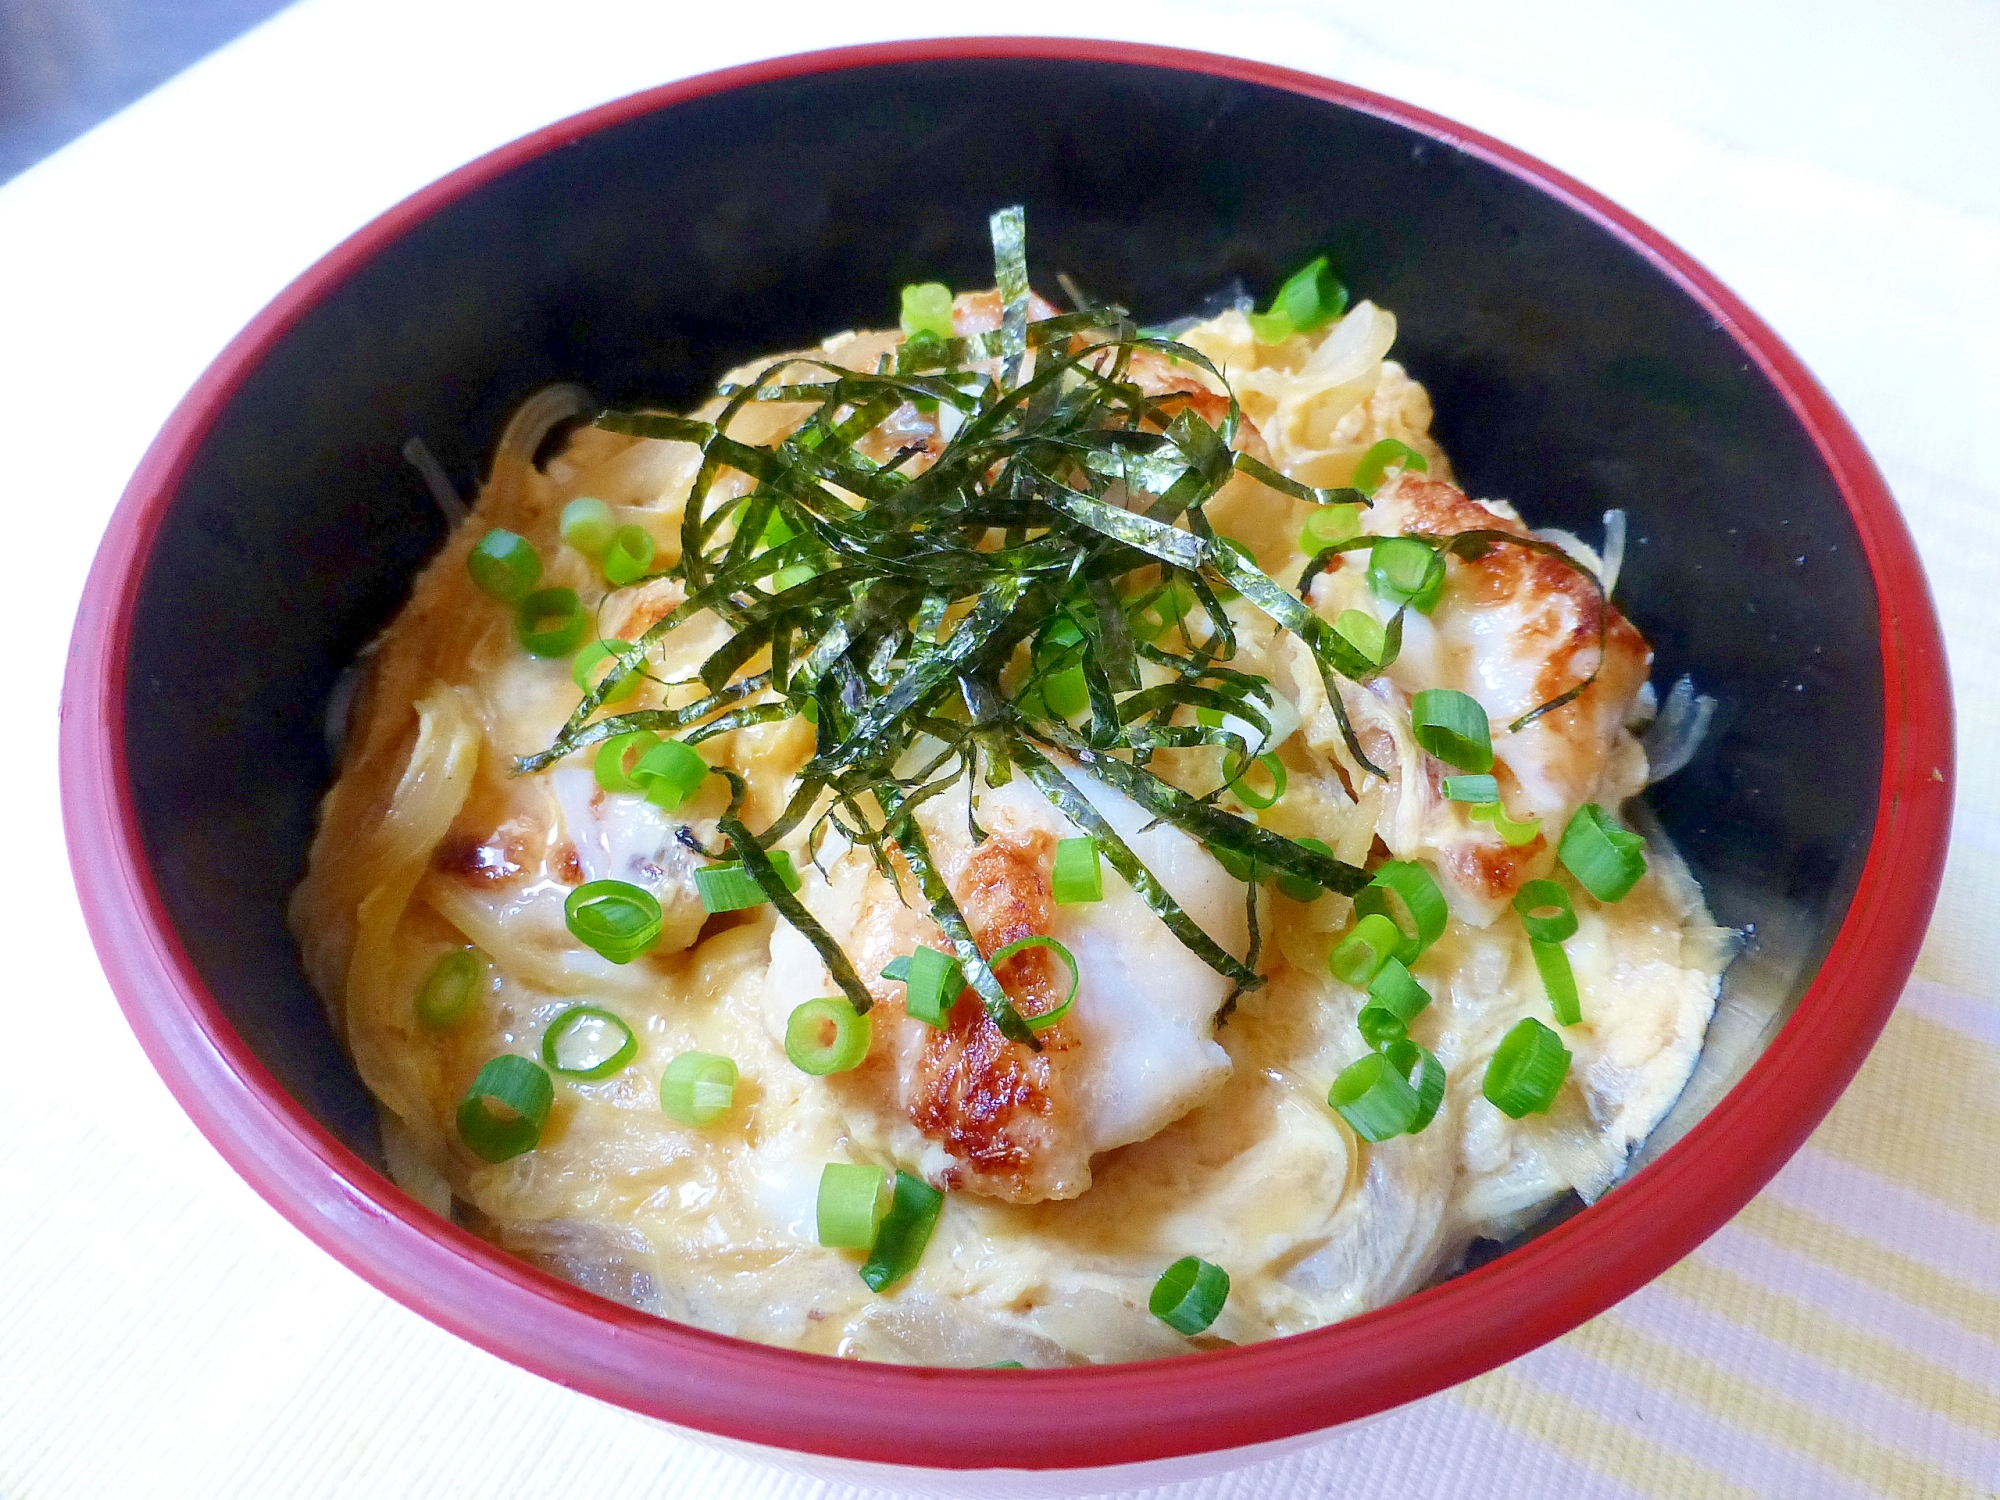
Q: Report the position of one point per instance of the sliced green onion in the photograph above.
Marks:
(1066, 693)
(729, 887)
(504, 565)
(1527, 1071)
(629, 555)
(551, 622)
(1374, 1098)
(852, 1201)
(1453, 727)
(595, 655)
(1047, 1018)
(1311, 298)
(827, 1036)
(617, 757)
(1512, 833)
(1238, 866)
(927, 309)
(1605, 859)
(1394, 999)
(905, 1230)
(1424, 1073)
(698, 1088)
(1363, 632)
(1078, 876)
(670, 773)
(933, 982)
(1402, 570)
(1357, 958)
(588, 525)
(1380, 459)
(586, 1042)
(792, 577)
(1189, 1296)
(1417, 890)
(616, 919)
(1545, 911)
(777, 530)
(1297, 886)
(1479, 790)
(1239, 783)
(1558, 981)
(1159, 610)
(502, 1114)
(451, 990)
(1004, 1364)
(1328, 525)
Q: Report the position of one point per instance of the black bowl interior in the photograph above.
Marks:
(1568, 373)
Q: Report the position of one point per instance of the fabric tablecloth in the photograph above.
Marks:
(163, 1333)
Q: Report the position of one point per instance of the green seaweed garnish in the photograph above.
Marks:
(923, 618)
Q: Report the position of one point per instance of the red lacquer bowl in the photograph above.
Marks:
(1578, 362)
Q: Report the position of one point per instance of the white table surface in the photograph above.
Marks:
(163, 1332)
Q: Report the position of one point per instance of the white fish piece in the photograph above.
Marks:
(1513, 630)
(619, 836)
(965, 1106)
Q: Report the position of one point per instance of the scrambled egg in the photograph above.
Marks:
(1148, 1129)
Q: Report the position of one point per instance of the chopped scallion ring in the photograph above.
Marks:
(669, 773)
(451, 990)
(588, 526)
(1402, 570)
(1066, 693)
(698, 1088)
(1376, 463)
(1239, 781)
(587, 1042)
(1424, 1073)
(1188, 1297)
(1047, 1018)
(730, 887)
(1357, 958)
(1417, 890)
(933, 982)
(1453, 727)
(629, 555)
(1512, 833)
(792, 577)
(1297, 886)
(900, 1238)
(1545, 911)
(1479, 790)
(1078, 874)
(504, 565)
(618, 756)
(1527, 1070)
(1363, 632)
(827, 1036)
(551, 622)
(1329, 525)
(586, 676)
(615, 918)
(1156, 612)
(927, 309)
(1558, 981)
(852, 1200)
(1605, 859)
(502, 1114)
(1311, 298)
(1374, 1098)
(1394, 999)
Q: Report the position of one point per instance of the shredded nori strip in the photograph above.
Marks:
(1067, 503)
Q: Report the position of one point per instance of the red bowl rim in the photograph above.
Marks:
(967, 1418)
